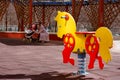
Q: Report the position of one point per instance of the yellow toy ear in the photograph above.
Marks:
(57, 14)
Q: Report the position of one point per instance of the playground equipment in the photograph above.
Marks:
(96, 44)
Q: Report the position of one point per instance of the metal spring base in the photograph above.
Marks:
(81, 63)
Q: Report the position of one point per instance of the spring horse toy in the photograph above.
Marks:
(95, 44)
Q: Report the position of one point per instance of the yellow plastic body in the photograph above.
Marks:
(105, 42)
(69, 26)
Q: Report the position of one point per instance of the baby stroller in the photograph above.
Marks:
(29, 32)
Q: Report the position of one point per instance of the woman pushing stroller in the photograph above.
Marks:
(43, 34)
(39, 29)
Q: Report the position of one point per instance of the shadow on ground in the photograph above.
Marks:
(16, 42)
(46, 76)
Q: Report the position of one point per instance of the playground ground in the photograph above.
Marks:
(21, 60)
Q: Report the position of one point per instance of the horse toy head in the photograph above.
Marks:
(65, 24)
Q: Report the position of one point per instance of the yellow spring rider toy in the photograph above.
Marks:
(96, 44)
